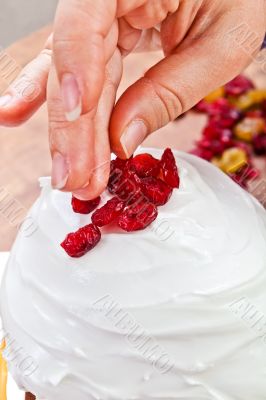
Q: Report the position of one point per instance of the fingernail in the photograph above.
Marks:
(71, 97)
(4, 100)
(133, 136)
(60, 171)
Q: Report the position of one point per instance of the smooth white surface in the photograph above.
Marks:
(178, 290)
(13, 393)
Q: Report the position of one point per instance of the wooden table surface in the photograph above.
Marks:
(25, 153)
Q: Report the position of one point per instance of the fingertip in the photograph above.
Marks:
(129, 125)
(15, 111)
(92, 190)
(133, 135)
(5, 99)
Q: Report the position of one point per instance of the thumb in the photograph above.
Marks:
(172, 87)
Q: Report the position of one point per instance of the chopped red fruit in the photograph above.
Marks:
(128, 186)
(259, 144)
(202, 106)
(238, 86)
(228, 119)
(108, 213)
(242, 103)
(169, 169)
(156, 190)
(254, 114)
(137, 217)
(216, 147)
(218, 107)
(138, 191)
(118, 163)
(226, 138)
(223, 113)
(78, 243)
(116, 172)
(144, 165)
(202, 153)
(213, 131)
(85, 206)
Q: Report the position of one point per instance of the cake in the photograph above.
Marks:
(176, 311)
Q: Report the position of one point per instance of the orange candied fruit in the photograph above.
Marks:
(232, 160)
(248, 128)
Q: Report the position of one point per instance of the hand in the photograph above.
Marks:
(201, 53)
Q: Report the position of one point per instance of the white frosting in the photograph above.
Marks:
(185, 283)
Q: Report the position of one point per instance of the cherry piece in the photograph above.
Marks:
(156, 190)
(78, 243)
(84, 206)
(202, 153)
(128, 186)
(202, 106)
(214, 131)
(116, 171)
(238, 86)
(259, 144)
(144, 165)
(169, 169)
(137, 217)
(108, 213)
(224, 113)
(216, 147)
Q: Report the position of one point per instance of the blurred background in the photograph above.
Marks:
(24, 28)
(20, 17)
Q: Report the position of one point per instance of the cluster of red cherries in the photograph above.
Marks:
(236, 129)
(138, 186)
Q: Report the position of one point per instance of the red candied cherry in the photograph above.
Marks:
(156, 190)
(137, 217)
(202, 106)
(206, 154)
(84, 206)
(259, 144)
(254, 114)
(228, 118)
(238, 86)
(108, 213)
(224, 113)
(216, 147)
(128, 186)
(144, 165)
(78, 243)
(218, 107)
(169, 169)
(117, 168)
(214, 131)
(226, 138)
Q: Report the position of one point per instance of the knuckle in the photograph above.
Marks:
(169, 100)
(65, 44)
(56, 113)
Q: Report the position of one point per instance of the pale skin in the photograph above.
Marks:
(79, 71)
